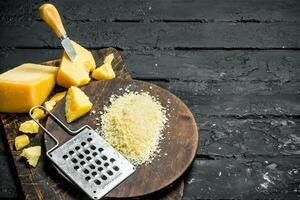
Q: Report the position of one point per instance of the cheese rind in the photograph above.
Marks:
(25, 86)
(77, 104)
(76, 73)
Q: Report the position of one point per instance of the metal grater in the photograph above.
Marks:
(87, 159)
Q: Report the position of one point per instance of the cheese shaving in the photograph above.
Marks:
(133, 124)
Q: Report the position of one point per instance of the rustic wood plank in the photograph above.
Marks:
(237, 98)
(258, 178)
(157, 35)
(17, 11)
(11, 57)
(204, 10)
(214, 65)
(187, 65)
(175, 192)
(8, 183)
(2, 148)
(169, 10)
(240, 138)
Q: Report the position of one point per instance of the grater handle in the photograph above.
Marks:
(60, 123)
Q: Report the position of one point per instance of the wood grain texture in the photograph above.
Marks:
(213, 65)
(279, 66)
(181, 10)
(246, 138)
(9, 189)
(44, 182)
(178, 148)
(254, 178)
(160, 35)
(204, 11)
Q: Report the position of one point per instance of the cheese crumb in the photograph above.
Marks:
(133, 124)
(29, 126)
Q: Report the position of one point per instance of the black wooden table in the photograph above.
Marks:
(235, 63)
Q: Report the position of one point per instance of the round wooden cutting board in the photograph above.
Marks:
(178, 148)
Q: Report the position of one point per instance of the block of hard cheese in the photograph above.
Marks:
(76, 73)
(25, 86)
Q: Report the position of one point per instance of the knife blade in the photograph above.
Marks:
(50, 15)
(69, 49)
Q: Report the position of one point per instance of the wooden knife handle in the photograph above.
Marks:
(50, 15)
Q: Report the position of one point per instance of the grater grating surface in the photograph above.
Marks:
(89, 161)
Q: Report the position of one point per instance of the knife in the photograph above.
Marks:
(50, 15)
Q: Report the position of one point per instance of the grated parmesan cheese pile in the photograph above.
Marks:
(133, 124)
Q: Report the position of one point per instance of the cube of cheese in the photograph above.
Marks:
(25, 86)
(21, 141)
(76, 73)
(38, 113)
(49, 105)
(29, 126)
(77, 104)
(32, 155)
(104, 72)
